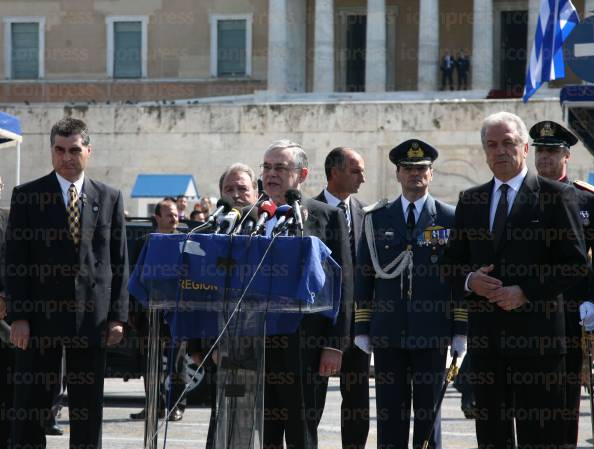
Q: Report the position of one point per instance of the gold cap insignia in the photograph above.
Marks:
(415, 152)
(547, 130)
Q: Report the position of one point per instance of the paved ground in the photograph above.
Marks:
(125, 397)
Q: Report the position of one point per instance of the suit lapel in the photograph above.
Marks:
(526, 199)
(357, 215)
(90, 206)
(56, 206)
(397, 215)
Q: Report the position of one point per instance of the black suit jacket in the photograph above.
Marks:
(62, 292)
(329, 225)
(357, 215)
(542, 251)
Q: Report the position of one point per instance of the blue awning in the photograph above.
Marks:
(159, 186)
(10, 130)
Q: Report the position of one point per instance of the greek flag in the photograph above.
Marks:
(556, 20)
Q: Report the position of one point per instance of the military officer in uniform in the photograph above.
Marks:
(552, 143)
(404, 311)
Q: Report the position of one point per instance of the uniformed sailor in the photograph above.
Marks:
(404, 313)
(552, 143)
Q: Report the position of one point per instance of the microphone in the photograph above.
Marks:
(223, 206)
(282, 214)
(293, 197)
(261, 193)
(250, 216)
(266, 210)
(226, 224)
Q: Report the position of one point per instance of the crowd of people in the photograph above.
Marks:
(504, 275)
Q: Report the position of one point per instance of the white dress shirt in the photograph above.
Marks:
(514, 186)
(65, 185)
(334, 201)
(417, 209)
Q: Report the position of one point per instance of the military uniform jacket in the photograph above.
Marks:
(542, 251)
(384, 310)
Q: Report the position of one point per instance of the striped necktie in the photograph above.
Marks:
(73, 215)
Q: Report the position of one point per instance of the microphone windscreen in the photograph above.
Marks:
(226, 204)
(292, 195)
(283, 210)
(267, 206)
(250, 211)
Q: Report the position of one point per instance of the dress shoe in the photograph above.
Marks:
(469, 407)
(176, 414)
(141, 415)
(54, 430)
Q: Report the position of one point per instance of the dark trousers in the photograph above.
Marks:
(294, 394)
(573, 366)
(354, 389)
(6, 392)
(36, 373)
(403, 376)
(529, 391)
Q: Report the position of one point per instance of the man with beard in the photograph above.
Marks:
(312, 350)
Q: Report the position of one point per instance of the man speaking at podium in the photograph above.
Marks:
(306, 357)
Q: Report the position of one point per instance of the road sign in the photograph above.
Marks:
(579, 49)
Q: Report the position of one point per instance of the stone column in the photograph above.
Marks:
(428, 63)
(482, 45)
(324, 46)
(278, 46)
(588, 8)
(375, 54)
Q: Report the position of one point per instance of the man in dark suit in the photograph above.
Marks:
(345, 172)
(516, 246)
(67, 271)
(403, 308)
(313, 351)
(552, 143)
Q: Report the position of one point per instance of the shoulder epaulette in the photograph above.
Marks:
(375, 206)
(583, 185)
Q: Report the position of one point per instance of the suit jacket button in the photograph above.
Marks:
(387, 247)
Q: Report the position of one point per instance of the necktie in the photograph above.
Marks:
(500, 215)
(343, 207)
(73, 215)
(410, 221)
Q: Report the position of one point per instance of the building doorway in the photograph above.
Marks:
(356, 35)
(514, 31)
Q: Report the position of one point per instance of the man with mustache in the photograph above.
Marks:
(552, 143)
(516, 246)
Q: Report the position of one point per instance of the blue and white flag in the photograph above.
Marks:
(556, 20)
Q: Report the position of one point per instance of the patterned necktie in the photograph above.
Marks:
(73, 215)
(500, 215)
(343, 207)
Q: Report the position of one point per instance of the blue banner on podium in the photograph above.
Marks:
(202, 275)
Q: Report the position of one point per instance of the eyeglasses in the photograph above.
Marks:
(280, 168)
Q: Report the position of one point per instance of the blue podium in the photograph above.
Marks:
(233, 290)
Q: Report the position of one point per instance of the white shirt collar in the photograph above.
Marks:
(418, 204)
(65, 185)
(515, 183)
(333, 201)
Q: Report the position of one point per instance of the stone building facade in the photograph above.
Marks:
(129, 50)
